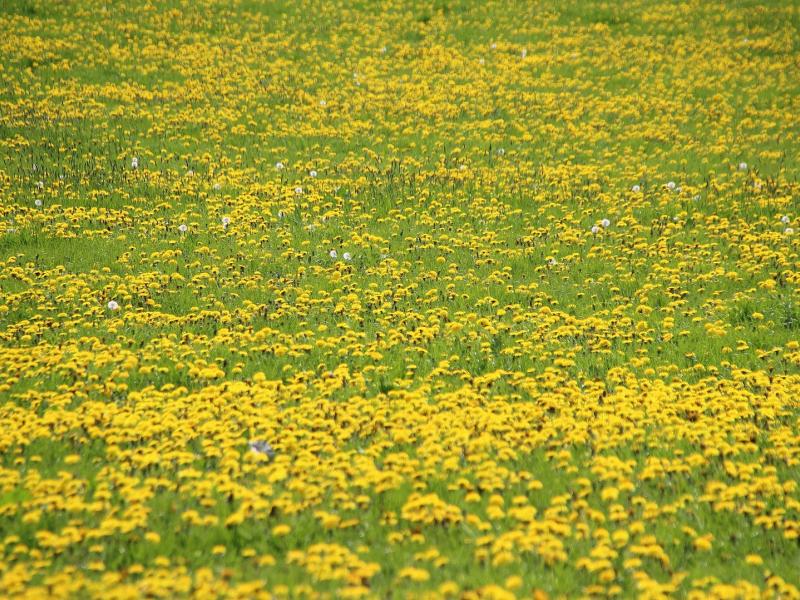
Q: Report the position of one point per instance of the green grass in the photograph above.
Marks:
(453, 172)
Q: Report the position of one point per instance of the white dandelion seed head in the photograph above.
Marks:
(605, 223)
(183, 228)
(135, 163)
(217, 186)
(785, 219)
(636, 188)
(37, 202)
(788, 231)
(552, 262)
(113, 305)
(347, 256)
(40, 185)
(226, 221)
(298, 190)
(333, 254)
(281, 214)
(501, 151)
(279, 165)
(743, 166)
(595, 229)
(313, 173)
(671, 185)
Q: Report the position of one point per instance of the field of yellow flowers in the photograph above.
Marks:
(450, 299)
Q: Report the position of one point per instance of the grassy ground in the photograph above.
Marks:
(511, 289)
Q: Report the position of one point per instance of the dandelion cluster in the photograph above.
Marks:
(405, 299)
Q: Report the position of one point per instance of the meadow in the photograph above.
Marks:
(451, 299)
